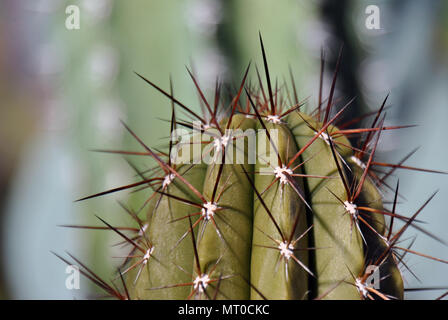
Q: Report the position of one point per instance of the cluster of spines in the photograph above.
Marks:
(271, 109)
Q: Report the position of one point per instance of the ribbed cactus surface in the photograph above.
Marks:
(258, 199)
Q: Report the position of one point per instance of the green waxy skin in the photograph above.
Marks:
(339, 252)
(163, 269)
(391, 282)
(229, 255)
(268, 269)
(232, 248)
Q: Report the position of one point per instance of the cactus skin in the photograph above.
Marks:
(163, 235)
(230, 251)
(342, 249)
(227, 231)
(267, 274)
(392, 285)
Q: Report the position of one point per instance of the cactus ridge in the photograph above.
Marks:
(304, 220)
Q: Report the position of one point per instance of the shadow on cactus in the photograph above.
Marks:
(260, 200)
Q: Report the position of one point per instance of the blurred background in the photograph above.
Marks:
(64, 90)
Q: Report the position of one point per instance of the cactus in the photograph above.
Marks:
(301, 216)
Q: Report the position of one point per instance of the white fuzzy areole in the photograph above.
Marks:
(351, 208)
(167, 180)
(143, 229)
(147, 255)
(219, 143)
(286, 249)
(201, 282)
(362, 288)
(324, 136)
(358, 162)
(208, 210)
(273, 119)
(280, 173)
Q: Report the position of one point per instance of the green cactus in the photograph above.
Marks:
(301, 218)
